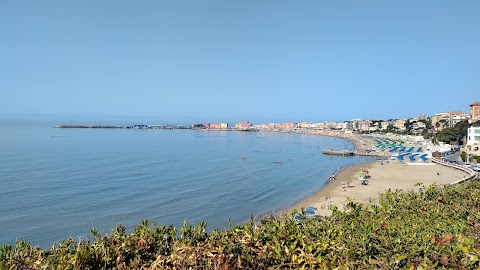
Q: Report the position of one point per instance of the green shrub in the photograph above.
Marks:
(463, 155)
(434, 228)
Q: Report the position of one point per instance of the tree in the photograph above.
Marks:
(408, 126)
(453, 134)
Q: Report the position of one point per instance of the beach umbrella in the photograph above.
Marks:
(364, 170)
(361, 175)
(309, 212)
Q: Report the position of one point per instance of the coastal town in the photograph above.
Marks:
(420, 128)
(444, 167)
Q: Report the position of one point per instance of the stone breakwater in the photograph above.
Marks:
(125, 127)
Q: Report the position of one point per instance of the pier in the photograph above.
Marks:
(355, 153)
(125, 127)
(338, 152)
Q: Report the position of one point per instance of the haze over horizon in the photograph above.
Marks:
(213, 61)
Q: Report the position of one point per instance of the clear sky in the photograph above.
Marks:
(262, 61)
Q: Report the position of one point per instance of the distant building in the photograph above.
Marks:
(224, 125)
(421, 117)
(356, 124)
(385, 125)
(243, 125)
(198, 126)
(210, 126)
(444, 120)
(215, 126)
(304, 125)
(457, 117)
(400, 124)
(417, 125)
(474, 112)
(343, 126)
(374, 126)
(365, 125)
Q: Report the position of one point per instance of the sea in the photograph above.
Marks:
(60, 183)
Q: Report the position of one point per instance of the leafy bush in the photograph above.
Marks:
(463, 156)
(434, 228)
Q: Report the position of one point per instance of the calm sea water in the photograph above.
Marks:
(57, 183)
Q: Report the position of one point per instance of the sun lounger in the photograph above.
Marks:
(393, 149)
(400, 157)
(412, 157)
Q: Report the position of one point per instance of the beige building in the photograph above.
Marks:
(245, 125)
(444, 120)
(400, 124)
(214, 126)
(474, 112)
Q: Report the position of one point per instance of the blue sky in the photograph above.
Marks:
(263, 61)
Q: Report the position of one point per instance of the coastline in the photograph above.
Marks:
(392, 175)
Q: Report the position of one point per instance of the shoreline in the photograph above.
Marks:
(391, 175)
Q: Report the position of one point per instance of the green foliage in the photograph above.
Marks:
(453, 134)
(433, 228)
(463, 155)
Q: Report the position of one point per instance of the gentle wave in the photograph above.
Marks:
(58, 183)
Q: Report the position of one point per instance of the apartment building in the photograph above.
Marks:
(474, 112)
(444, 120)
(400, 124)
(473, 140)
(245, 125)
(385, 125)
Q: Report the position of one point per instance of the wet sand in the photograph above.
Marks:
(393, 175)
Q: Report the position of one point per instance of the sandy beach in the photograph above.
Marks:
(392, 175)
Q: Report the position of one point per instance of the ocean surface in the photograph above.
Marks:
(60, 183)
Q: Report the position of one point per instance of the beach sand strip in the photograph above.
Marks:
(392, 175)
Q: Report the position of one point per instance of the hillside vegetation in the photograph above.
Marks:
(434, 228)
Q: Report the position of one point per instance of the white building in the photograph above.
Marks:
(418, 125)
(473, 140)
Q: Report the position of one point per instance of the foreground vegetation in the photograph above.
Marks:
(435, 228)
